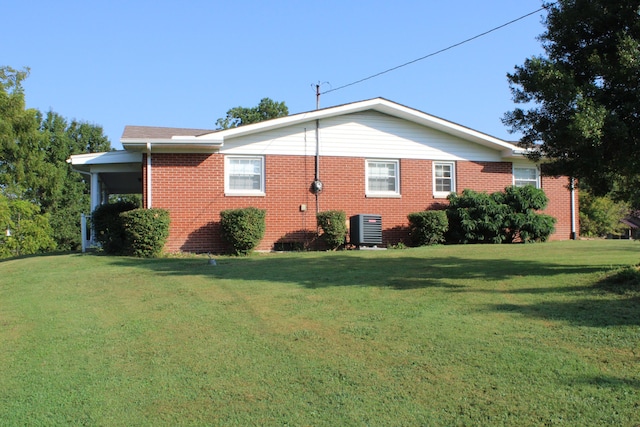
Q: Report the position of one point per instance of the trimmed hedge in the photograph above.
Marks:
(334, 227)
(427, 227)
(243, 229)
(146, 231)
(108, 226)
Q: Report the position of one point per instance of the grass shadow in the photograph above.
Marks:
(606, 381)
(592, 312)
(350, 268)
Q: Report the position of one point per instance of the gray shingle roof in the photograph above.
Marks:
(154, 132)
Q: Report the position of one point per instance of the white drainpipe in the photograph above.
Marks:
(572, 187)
(149, 198)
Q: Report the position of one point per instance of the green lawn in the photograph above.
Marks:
(450, 335)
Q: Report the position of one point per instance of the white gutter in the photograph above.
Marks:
(176, 144)
(149, 198)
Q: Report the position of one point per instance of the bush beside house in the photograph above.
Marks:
(123, 229)
(146, 231)
(509, 216)
(427, 227)
(109, 227)
(243, 229)
(334, 227)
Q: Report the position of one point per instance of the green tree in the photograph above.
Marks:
(583, 95)
(27, 230)
(67, 194)
(600, 216)
(238, 116)
(33, 152)
(19, 136)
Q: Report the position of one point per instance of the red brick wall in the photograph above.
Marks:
(191, 187)
(559, 207)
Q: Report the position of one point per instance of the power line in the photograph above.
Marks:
(439, 51)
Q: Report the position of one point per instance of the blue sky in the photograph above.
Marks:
(185, 63)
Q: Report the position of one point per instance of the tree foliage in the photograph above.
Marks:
(266, 109)
(601, 215)
(25, 230)
(34, 148)
(583, 94)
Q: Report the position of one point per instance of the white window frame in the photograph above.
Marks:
(378, 193)
(443, 194)
(535, 182)
(243, 192)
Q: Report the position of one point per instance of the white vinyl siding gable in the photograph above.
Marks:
(383, 178)
(244, 175)
(367, 134)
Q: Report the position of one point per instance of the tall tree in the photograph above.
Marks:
(583, 95)
(238, 116)
(19, 137)
(68, 193)
(33, 152)
(28, 231)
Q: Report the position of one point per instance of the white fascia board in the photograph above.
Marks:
(110, 161)
(174, 144)
(109, 157)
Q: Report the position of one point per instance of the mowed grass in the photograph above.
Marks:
(449, 335)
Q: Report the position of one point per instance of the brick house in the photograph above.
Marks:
(372, 157)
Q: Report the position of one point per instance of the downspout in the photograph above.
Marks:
(149, 198)
(572, 188)
(317, 183)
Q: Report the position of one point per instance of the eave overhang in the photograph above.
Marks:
(177, 144)
(213, 141)
(110, 161)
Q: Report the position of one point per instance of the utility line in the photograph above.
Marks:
(439, 51)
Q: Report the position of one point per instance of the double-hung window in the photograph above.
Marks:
(444, 178)
(383, 178)
(526, 176)
(244, 175)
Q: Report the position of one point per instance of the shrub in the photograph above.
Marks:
(507, 216)
(523, 223)
(243, 229)
(146, 231)
(600, 216)
(108, 227)
(427, 227)
(475, 218)
(334, 227)
(536, 227)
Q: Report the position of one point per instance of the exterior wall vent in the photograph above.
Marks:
(366, 230)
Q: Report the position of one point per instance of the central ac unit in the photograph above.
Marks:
(366, 230)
